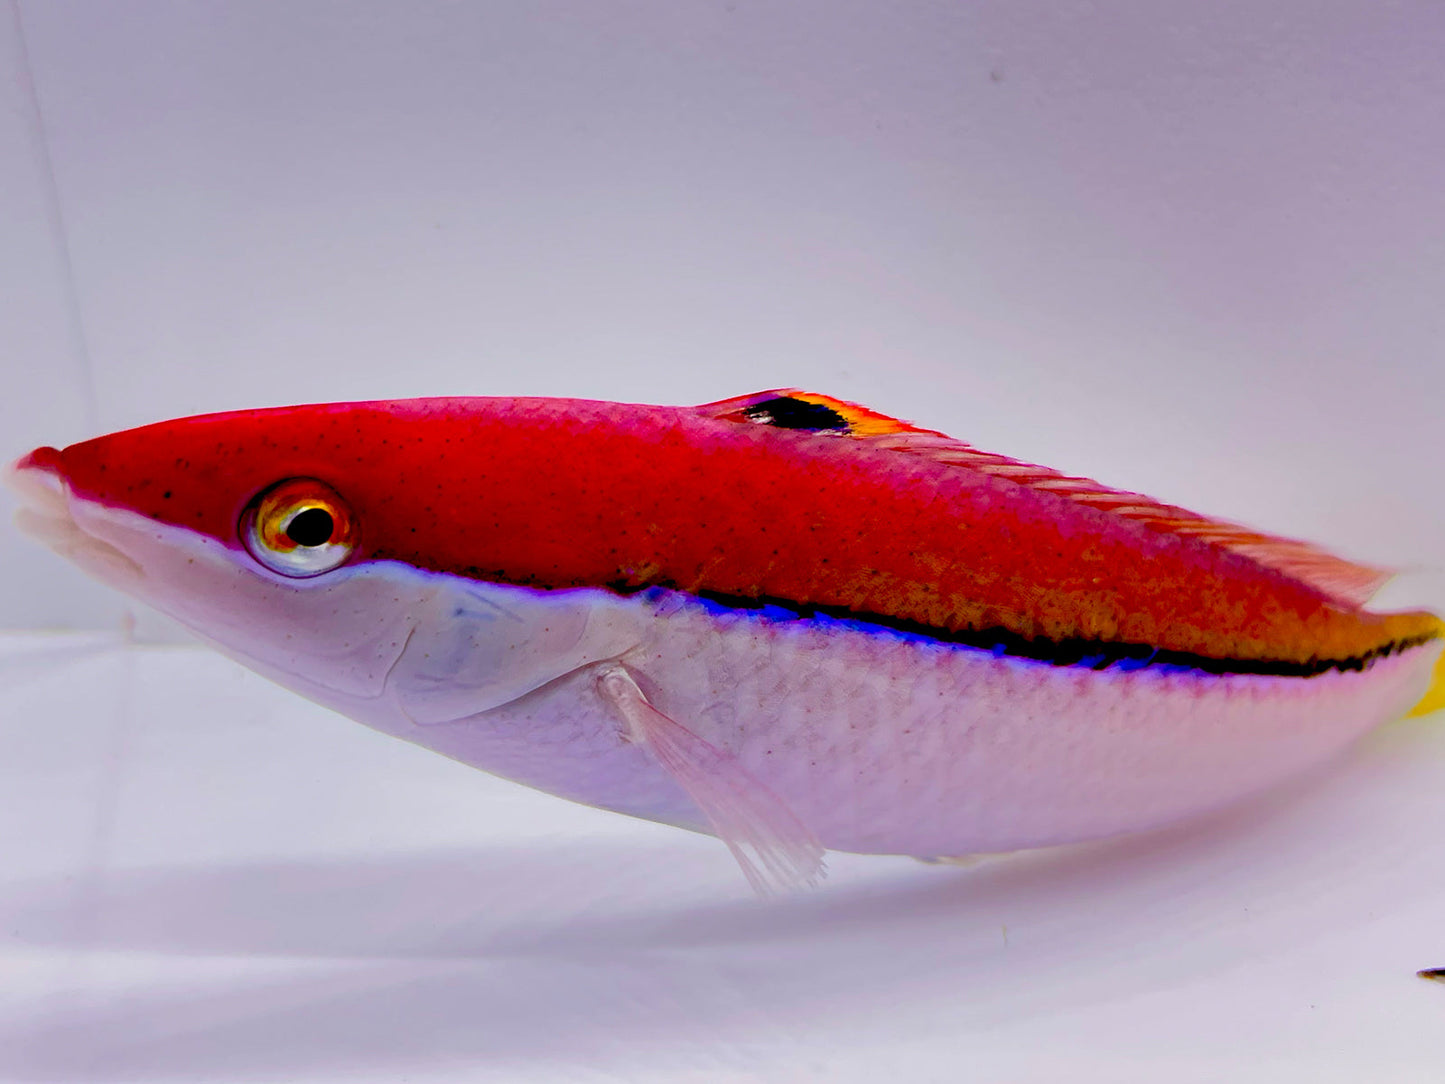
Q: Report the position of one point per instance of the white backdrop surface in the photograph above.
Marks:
(216, 881)
(1194, 250)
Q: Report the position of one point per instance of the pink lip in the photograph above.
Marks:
(39, 480)
(47, 514)
(44, 458)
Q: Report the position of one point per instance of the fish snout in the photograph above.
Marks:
(39, 481)
(47, 515)
(43, 458)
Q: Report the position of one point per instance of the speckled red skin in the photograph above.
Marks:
(561, 493)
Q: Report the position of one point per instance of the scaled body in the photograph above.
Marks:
(783, 619)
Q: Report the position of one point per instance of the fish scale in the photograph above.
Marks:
(784, 619)
(962, 752)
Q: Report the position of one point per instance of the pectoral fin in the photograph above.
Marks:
(775, 849)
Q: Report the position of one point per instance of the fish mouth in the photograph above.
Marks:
(48, 515)
(241, 609)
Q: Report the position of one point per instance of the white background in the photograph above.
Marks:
(1195, 250)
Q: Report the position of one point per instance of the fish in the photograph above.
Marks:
(783, 619)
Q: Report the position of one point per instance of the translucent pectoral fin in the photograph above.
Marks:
(775, 849)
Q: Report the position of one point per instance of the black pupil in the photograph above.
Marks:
(312, 527)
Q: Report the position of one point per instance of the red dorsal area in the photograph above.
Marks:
(782, 496)
(1344, 580)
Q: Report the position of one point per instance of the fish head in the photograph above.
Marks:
(317, 545)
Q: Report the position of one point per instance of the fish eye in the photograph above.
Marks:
(299, 527)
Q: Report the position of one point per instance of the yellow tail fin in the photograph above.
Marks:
(1435, 695)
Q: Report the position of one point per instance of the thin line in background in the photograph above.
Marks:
(60, 235)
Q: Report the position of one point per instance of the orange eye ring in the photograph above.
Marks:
(299, 527)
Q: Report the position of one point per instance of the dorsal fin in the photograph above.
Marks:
(789, 408)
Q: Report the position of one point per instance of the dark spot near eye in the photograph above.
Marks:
(312, 527)
(166, 494)
(786, 413)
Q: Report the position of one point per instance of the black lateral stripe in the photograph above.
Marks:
(1093, 654)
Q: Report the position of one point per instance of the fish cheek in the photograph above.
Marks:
(341, 632)
(344, 635)
(479, 645)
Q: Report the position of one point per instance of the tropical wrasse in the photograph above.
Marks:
(782, 619)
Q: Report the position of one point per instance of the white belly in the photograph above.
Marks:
(888, 743)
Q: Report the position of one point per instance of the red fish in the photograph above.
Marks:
(783, 618)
